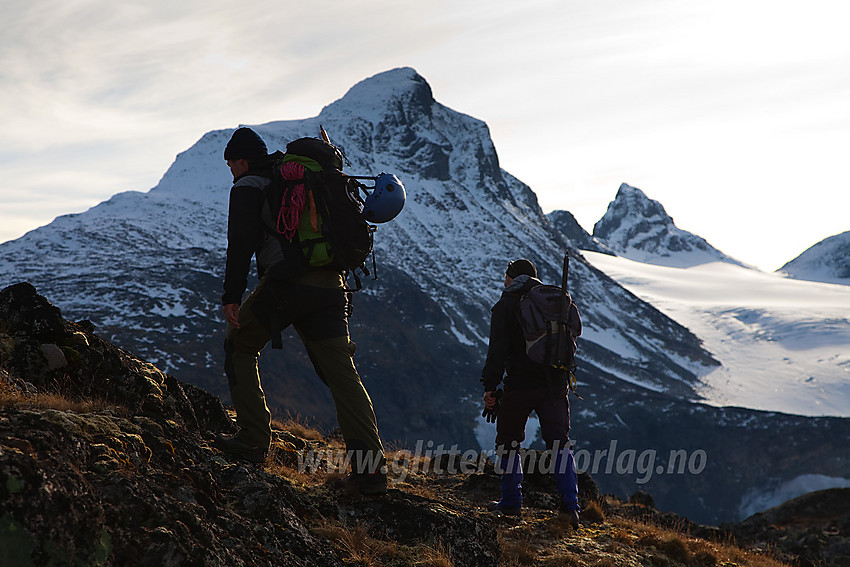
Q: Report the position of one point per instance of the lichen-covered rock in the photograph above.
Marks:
(110, 490)
(39, 347)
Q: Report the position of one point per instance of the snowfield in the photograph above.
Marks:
(784, 344)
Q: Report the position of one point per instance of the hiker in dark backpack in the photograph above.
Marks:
(529, 386)
(311, 297)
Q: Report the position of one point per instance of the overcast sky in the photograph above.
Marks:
(735, 115)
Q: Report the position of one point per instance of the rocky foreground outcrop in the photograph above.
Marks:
(814, 528)
(132, 479)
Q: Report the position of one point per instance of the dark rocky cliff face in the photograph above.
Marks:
(565, 223)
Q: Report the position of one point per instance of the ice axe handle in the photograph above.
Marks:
(566, 271)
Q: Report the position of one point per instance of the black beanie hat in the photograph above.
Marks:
(521, 267)
(245, 144)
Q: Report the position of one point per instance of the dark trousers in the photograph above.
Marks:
(552, 407)
(320, 316)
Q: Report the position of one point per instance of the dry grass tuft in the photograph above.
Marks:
(355, 543)
(438, 555)
(593, 513)
(13, 398)
(649, 539)
(298, 426)
(751, 559)
(518, 552)
(357, 547)
(677, 550)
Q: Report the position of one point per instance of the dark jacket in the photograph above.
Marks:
(246, 233)
(507, 345)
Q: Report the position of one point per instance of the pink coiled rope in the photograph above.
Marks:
(294, 199)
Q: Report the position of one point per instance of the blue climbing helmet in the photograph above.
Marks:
(386, 201)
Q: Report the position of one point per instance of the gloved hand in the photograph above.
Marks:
(490, 413)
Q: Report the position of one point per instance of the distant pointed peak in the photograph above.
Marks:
(632, 199)
(627, 190)
(625, 187)
(638, 228)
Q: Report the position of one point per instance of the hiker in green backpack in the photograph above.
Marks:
(313, 300)
(529, 386)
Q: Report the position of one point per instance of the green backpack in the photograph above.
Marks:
(318, 208)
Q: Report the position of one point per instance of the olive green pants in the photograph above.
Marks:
(320, 316)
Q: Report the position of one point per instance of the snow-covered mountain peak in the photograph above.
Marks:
(638, 228)
(394, 117)
(827, 261)
(394, 90)
(381, 113)
(638, 204)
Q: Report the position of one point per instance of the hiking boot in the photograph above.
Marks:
(232, 445)
(369, 484)
(571, 514)
(503, 511)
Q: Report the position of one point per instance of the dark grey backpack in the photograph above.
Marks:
(550, 323)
